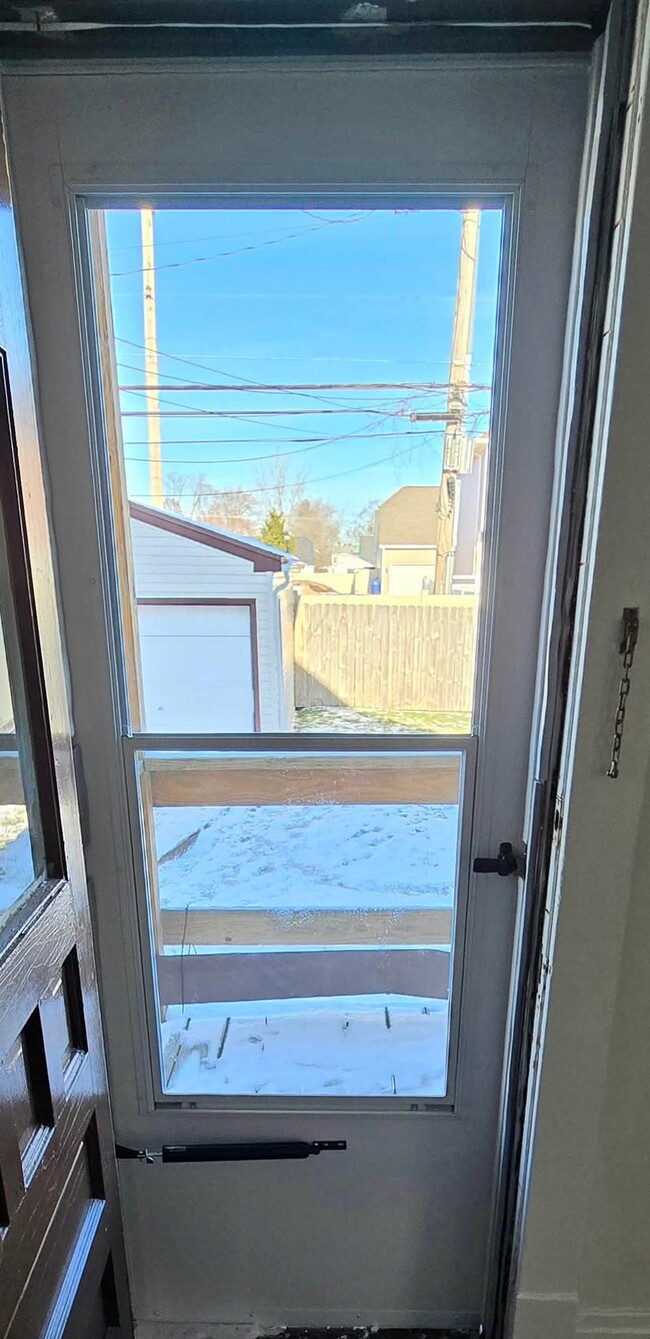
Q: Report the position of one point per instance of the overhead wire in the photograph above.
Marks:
(198, 241)
(279, 455)
(268, 441)
(314, 443)
(249, 380)
(237, 251)
(259, 387)
(253, 415)
(271, 488)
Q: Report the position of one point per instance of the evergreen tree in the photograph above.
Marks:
(275, 532)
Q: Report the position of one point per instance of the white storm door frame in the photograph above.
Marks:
(389, 129)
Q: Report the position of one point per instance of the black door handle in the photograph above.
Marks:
(506, 862)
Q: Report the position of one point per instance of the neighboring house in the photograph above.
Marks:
(406, 540)
(349, 562)
(350, 573)
(471, 519)
(210, 615)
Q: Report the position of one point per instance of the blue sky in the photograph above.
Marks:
(294, 296)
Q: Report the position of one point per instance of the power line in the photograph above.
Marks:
(277, 455)
(250, 381)
(269, 441)
(252, 386)
(257, 385)
(247, 416)
(326, 478)
(251, 414)
(198, 241)
(314, 358)
(238, 251)
(261, 441)
(420, 386)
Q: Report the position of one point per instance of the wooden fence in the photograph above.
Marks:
(383, 653)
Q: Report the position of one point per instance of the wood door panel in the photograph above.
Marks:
(30, 972)
(65, 1167)
(60, 1230)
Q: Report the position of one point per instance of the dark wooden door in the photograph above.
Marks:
(61, 1256)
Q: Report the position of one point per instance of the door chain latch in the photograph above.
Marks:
(506, 862)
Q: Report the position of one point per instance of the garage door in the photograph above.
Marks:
(197, 667)
(410, 578)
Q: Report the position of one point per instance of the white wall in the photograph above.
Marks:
(169, 566)
(615, 1278)
(586, 1262)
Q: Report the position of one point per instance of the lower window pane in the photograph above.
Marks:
(302, 912)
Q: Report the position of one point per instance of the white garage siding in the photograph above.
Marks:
(169, 566)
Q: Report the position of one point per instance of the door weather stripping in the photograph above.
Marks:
(255, 1152)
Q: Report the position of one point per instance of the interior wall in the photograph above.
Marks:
(586, 1252)
(615, 1280)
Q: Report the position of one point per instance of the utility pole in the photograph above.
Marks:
(459, 375)
(151, 358)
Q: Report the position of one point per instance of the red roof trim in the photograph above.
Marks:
(263, 560)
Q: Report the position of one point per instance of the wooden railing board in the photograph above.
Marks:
(201, 781)
(311, 928)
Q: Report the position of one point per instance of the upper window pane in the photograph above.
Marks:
(298, 405)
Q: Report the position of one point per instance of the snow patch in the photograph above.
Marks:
(318, 857)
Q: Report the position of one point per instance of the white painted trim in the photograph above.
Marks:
(626, 1322)
(546, 1315)
(591, 878)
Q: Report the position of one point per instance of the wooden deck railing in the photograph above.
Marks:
(296, 780)
(371, 937)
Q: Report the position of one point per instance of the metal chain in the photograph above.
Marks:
(628, 644)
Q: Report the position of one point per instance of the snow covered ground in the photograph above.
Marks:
(347, 1047)
(301, 858)
(295, 857)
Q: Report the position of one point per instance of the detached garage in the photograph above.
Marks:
(210, 611)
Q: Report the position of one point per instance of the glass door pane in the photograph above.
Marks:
(21, 860)
(299, 408)
(303, 910)
(22, 856)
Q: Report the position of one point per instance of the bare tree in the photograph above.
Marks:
(228, 508)
(280, 488)
(183, 493)
(318, 521)
(361, 525)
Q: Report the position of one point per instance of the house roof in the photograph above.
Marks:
(409, 516)
(263, 556)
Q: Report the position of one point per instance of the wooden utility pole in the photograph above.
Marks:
(151, 357)
(459, 375)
